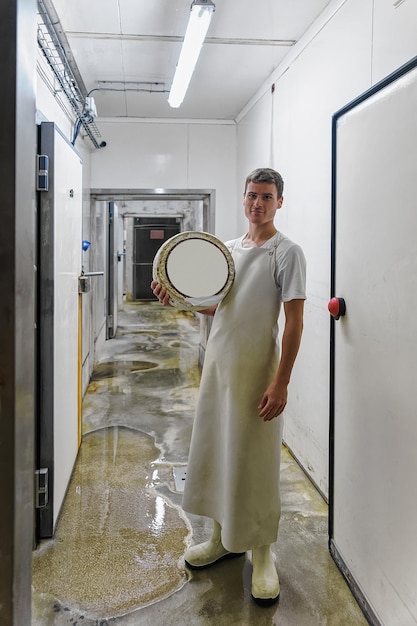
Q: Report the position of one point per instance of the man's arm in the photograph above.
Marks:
(275, 397)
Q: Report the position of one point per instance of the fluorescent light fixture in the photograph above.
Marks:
(201, 13)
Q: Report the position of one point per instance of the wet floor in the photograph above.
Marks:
(117, 555)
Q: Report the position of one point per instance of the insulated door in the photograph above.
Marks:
(374, 349)
(59, 261)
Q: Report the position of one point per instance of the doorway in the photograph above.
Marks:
(191, 209)
(143, 211)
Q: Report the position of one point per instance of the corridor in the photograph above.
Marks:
(117, 555)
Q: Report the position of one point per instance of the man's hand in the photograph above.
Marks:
(273, 401)
(160, 292)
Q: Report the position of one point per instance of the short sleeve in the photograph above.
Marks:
(290, 272)
(231, 244)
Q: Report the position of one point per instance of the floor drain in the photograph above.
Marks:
(179, 478)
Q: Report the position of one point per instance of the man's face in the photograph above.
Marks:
(261, 202)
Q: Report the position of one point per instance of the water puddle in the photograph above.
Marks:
(118, 542)
(111, 369)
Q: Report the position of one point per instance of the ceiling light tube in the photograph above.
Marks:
(201, 13)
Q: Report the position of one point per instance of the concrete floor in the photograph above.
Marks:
(117, 555)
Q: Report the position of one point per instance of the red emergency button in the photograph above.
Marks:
(337, 307)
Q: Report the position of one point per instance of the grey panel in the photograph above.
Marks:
(17, 316)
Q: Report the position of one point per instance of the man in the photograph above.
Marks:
(234, 461)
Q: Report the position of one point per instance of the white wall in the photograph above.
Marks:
(254, 148)
(360, 44)
(170, 156)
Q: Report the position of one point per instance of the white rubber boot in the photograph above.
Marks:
(208, 553)
(265, 581)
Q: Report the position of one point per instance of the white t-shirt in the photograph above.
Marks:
(290, 265)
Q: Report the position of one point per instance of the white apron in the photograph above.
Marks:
(233, 468)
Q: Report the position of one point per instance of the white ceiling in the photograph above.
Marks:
(132, 44)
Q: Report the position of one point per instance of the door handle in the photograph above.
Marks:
(337, 307)
(92, 273)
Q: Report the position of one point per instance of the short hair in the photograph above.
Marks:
(266, 175)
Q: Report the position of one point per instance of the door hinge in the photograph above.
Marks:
(110, 321)
(42, 172)
(41, 487)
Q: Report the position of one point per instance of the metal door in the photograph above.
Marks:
(149, 235)
(373, 445)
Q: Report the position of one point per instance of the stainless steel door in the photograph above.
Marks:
(149, 235)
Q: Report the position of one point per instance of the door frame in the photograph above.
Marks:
(208, 196)
(112, 269)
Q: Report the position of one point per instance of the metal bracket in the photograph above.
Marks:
(83, 284)
(42, 171)
(41, 488)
